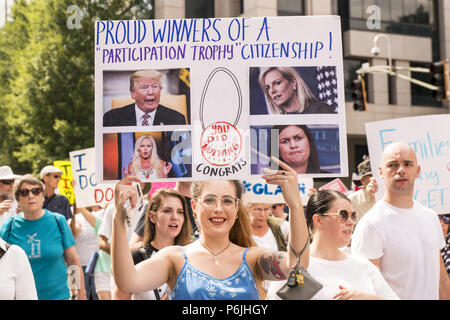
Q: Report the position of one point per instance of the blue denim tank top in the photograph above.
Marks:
(193, 284)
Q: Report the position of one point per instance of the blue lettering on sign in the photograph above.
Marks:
(263, 189)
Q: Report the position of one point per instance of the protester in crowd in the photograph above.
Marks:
(364, 199)
(166, 224)
(145, 89)
(223, 263)
(287, 93)
(58, 203)
(400, 236)
(146, 163)
(278, 211)
(267, 231)
(344, 277)
(84, 226)
(102, 270)
(184, 188)
(8, 205)
(445, 252)
(105, 233)
(297, 148)
(46, 238)
(16, 277)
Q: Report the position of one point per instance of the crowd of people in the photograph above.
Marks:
(205, 240)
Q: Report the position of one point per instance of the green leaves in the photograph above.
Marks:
(47, 78)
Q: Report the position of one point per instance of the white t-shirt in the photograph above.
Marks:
(107, 222)
(150, 295)
(408, 241)
(86, 242)
(16, 277)
(10, 213)
(355, 272)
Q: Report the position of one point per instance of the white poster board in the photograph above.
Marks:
(212, 118)
(87, 191)
(258, 191)
(430, 138)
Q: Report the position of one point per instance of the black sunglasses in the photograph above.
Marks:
(26, 192)
(342, 215)
(7, 182)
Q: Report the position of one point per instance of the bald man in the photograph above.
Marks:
(400, 236)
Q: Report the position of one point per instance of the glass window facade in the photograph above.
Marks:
(199, 8)
(411, 17)
(291, 7)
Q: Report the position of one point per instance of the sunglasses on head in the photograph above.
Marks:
(342, 215)
(25, 192)
(7, 182)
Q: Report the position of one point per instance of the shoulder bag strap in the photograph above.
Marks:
(297, 265)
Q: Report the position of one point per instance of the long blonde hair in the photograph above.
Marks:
(304, 94)
(155, 161)
(241, 232)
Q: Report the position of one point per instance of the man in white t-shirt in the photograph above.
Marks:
(400, 236)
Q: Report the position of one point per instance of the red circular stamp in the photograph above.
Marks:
(221, 143)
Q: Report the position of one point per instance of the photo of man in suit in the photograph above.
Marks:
(145, 89)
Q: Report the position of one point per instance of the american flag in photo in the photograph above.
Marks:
(327, 86)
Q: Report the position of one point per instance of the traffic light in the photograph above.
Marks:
(439, 78)
(358, 87)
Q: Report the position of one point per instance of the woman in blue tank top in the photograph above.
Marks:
(224, 262)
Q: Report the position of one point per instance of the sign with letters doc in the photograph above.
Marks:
(214, 108)
(87, 191)
(430, 138)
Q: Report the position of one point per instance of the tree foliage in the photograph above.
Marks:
(47, 77)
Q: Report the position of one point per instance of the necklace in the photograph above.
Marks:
(215, 254)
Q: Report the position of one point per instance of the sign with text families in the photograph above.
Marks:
(87, 191)
(430, 138)
(217, 98)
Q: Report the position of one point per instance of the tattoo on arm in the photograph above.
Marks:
(270, 264)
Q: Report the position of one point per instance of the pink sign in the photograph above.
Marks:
(159, 185)
(336, 184)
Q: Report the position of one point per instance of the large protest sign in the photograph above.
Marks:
(87, 191)
(65, 184)
(258, 191)
(197, 99)
(430, 138)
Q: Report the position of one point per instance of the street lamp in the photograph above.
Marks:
(376, 50)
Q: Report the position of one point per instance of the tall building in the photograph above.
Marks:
(417, 32)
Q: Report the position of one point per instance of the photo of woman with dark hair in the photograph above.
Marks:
(297, 148)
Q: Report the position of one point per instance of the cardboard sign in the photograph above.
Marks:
(65, 184)
(87, 191)
(258, 191)
(430, 138)
(336, 185)
(203, 94)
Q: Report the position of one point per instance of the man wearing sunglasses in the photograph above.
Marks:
(8, 205)
(402, 237)
(58, 203)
